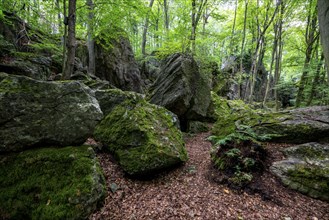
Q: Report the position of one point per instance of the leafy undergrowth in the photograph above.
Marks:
(238, 160)
(191, 192)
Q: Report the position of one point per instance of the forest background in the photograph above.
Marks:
(282, 35)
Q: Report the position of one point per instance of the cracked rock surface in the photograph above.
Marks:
(38, 113)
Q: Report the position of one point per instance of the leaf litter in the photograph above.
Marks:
(191, 192)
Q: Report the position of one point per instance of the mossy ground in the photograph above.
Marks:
(49, 183)
(142, 136)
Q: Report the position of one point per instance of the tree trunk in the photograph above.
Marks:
(166, 15)
(90, 40)
(310, 38)
(64, 35)
(69, 66)
(323, 15)
(316, 80)
(232, 43)
(146, 25)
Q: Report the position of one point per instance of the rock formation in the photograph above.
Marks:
(181, 89)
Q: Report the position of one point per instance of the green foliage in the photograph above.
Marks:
(238, 158)
(50, 183)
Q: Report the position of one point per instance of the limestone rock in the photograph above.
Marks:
(50, 183)
(143, 137)
(34, 113)
(306, 169)
(181, 89)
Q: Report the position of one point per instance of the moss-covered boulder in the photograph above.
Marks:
(37, 113)
(50, 183)
(143, 137)
(294, 126)
(109, 98)
(182, 89)
(306, 169)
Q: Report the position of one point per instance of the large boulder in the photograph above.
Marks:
(306, 169)
(50, 183)
(109, 98)
(293, 126)
(181, 89)
(143, 137)
(115, 62)
(38, 113)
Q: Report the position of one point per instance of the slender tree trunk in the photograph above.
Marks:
(246, 2)
(274, 53)
(59, 19)
(232, 43)
(310, 38)
(323, 15)
(146, 25)
(90, 39)
(166, 14)
(195, 18)
(64, 35)
(69, 66)
(316, 80)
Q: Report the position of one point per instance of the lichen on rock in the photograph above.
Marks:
(143, 137)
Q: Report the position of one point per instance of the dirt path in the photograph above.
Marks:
(188, 193)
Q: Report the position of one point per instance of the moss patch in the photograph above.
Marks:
(142, 136)
(50, 183)
(310, 179)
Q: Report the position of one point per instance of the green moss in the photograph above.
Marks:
(311, 179)
(142, 136)
(49, 183)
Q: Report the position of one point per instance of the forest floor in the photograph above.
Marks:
(191, 192)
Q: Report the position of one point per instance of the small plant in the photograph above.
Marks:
(237, 157)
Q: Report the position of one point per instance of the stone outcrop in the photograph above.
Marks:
(294, 126)
(38, 113)
(181, 89)
(27, 51)
(115, 62)
(143, 137)
(225, 83)
(50, 183)
(306, 169)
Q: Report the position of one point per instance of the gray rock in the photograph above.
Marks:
(38, 113)
(143, 137)
(295, 126)
(306, 169)
(115, 62)
(181, 89)
(110, 98)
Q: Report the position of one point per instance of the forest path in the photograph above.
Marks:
(188, 192)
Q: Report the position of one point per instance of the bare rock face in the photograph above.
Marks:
(38, 113)
(115, 62)
(181, 89)
(306, 169)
